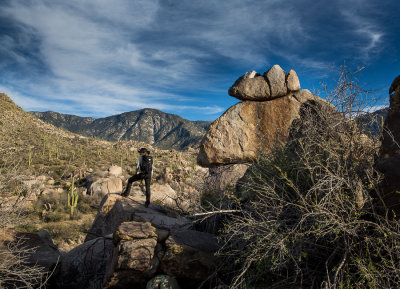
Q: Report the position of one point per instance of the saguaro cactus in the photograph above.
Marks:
(72, 197)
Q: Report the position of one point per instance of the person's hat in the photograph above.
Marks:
(144, 150)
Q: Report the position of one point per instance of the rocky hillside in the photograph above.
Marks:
(151, 126)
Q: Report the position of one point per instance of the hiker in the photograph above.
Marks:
(144, 171)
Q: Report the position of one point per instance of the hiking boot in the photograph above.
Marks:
(147, 204)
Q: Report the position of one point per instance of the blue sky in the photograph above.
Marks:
(98, 58)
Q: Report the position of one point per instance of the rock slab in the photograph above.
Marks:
(85, 266)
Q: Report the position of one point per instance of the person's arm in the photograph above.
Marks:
(138, 165)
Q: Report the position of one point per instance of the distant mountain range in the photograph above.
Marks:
(160, 129)
(372, 122)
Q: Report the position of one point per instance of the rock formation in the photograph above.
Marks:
(129, 244)
(389, 157)
(270, 103)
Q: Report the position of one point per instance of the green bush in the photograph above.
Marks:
(53, 216)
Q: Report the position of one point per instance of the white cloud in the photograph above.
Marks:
(112, 56)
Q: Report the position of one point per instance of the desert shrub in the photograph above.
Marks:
(89, 203)
(62, 231)
(310, 219)
(53, 216)
(84, 208)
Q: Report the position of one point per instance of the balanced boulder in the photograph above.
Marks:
(250, 127)
(251, 86)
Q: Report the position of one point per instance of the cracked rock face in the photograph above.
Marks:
(250, 127)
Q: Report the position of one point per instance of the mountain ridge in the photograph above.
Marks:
(152, 126)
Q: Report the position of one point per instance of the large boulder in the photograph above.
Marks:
(251, 86)
(389, 156)
(224, 177)
(138, 244)
(85, 266)
(104, 186)
(250, 127)
(190, 255)
(162, 194)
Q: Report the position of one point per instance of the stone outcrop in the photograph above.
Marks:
(105, 186)
(250, 127)
(389, 157)
(160, 193)
(134, 257)
(270, 104)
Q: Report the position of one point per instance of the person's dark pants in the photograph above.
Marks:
(135, 178)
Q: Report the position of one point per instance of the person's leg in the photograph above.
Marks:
(129, 185)
(147, 181)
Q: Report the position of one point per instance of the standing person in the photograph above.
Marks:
(144, 171)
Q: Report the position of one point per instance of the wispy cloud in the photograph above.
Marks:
(369, 33)
(104, 57)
